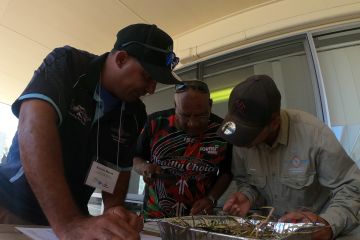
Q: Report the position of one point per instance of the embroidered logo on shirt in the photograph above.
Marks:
(297, 165)
(189, 140)
(79, 113)
(213, 150)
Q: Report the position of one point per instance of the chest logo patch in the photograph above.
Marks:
(79, 113)
(212, 150)
(297, 165)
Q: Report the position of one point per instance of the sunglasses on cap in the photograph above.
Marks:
(170, 57)
(196, 85)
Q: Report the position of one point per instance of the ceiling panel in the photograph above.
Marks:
(87, 24)
(181, 16)
(29, 29)
(19, 56)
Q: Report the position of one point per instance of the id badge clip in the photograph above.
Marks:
(102, 177)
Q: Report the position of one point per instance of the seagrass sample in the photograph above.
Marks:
(227, 227)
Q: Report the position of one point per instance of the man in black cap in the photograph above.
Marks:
(289, 158)
(79, 119)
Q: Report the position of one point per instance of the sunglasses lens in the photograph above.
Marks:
(196, 85)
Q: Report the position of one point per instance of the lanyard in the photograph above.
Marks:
(98, 128)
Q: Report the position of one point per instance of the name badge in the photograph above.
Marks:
(102, 177)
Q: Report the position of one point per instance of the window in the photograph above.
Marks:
(339, 57)
(285, 61)
(8, 128)
(331, 93)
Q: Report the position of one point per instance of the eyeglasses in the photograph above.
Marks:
(196, 85)
(171, 60)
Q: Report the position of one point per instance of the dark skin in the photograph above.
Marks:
(192, 110)
(124, 77)
(238, 204)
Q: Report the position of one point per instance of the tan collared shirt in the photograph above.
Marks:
(305, 168)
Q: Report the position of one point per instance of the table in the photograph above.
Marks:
(9, 232)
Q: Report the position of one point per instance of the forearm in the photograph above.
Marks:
(119, 195)
(41, 156)
(220, 185)
(338, 172)
(341, 213)
(250, 192)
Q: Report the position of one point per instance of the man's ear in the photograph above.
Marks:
(275, 120)
(120, 58)
(210, 102)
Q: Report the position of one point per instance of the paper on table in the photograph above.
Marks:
(48, 234)
(38, 233)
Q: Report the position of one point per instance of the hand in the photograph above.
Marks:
(309, 217)
(148, 170)
(116, 224)
(238, 204)
(202, 206)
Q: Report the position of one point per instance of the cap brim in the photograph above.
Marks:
(161, 74)
(236, 132)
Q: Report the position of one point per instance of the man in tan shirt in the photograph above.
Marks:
(289, 158)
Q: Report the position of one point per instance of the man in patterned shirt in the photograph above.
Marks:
(185, 165)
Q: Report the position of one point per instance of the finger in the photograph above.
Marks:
(292, 217)
(195, 211)
(121, 229)
(134, 220)
(196, 207)
(228, 204)
(237, 211)
(232, 210)
(106, 235)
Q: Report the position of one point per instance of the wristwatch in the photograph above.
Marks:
(213, 200)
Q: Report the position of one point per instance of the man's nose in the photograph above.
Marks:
(193, 122)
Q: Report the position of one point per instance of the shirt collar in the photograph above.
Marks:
(283, 137)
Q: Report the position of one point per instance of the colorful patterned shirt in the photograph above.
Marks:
(192, 164)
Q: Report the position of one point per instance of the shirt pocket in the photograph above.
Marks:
(255, 174)
(258, 181)
(299, 181)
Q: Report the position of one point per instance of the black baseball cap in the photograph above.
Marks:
(153, 48)
(251, 105)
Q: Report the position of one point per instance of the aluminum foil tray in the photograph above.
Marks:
(183, 228)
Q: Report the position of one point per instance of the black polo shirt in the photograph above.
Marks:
(68, 79)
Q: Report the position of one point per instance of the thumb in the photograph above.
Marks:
(228, 204)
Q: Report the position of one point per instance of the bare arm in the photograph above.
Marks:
(205, 205)
(119, 195)
(220, 185)
(42, 162)
(40, 151)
